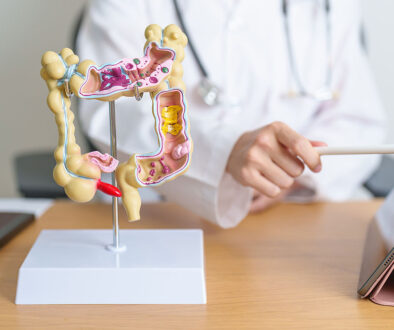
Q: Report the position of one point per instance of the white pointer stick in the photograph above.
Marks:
(358, 150)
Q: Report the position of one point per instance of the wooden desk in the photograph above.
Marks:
(295, 266)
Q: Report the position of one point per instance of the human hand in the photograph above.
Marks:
(270, 158)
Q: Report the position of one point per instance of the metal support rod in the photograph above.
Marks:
(114, 154)
(116, 247)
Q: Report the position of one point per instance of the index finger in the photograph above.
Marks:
(299, 146)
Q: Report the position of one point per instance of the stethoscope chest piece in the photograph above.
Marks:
(325, 94)
(209, 92)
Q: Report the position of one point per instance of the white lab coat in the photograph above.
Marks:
(242, 44)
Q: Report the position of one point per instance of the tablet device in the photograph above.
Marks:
(376, 279)
(12, 223)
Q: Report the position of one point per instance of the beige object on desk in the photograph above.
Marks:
(292, 267)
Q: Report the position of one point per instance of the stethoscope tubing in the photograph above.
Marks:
(302, 91)
(197, 58)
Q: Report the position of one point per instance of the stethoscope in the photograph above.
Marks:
(208, 91)
(211, 93)
(324, 93)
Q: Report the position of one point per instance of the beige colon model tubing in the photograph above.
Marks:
(78, 173)
(158, 72)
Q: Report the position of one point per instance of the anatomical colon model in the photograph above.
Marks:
(158, 72)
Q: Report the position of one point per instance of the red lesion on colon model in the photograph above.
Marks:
(156, 168)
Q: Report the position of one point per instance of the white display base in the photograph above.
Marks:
(74, 267)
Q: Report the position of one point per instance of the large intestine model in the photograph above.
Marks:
(159, 72)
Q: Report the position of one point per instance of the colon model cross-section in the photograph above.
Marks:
(172, 158)
(158, 72)
(110, 81)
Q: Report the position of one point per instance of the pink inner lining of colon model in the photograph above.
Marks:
(144, 72)
(105, 162)
(173, 155)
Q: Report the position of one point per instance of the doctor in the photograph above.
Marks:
(290, 73)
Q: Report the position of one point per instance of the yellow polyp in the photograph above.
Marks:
(173, 129)
(170, 119)
(170, 114)
(175, 108)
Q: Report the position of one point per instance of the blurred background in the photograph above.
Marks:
(32, 27)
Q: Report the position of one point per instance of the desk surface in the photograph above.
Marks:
(294, 266)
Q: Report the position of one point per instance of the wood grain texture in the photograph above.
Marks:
(292, 267)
